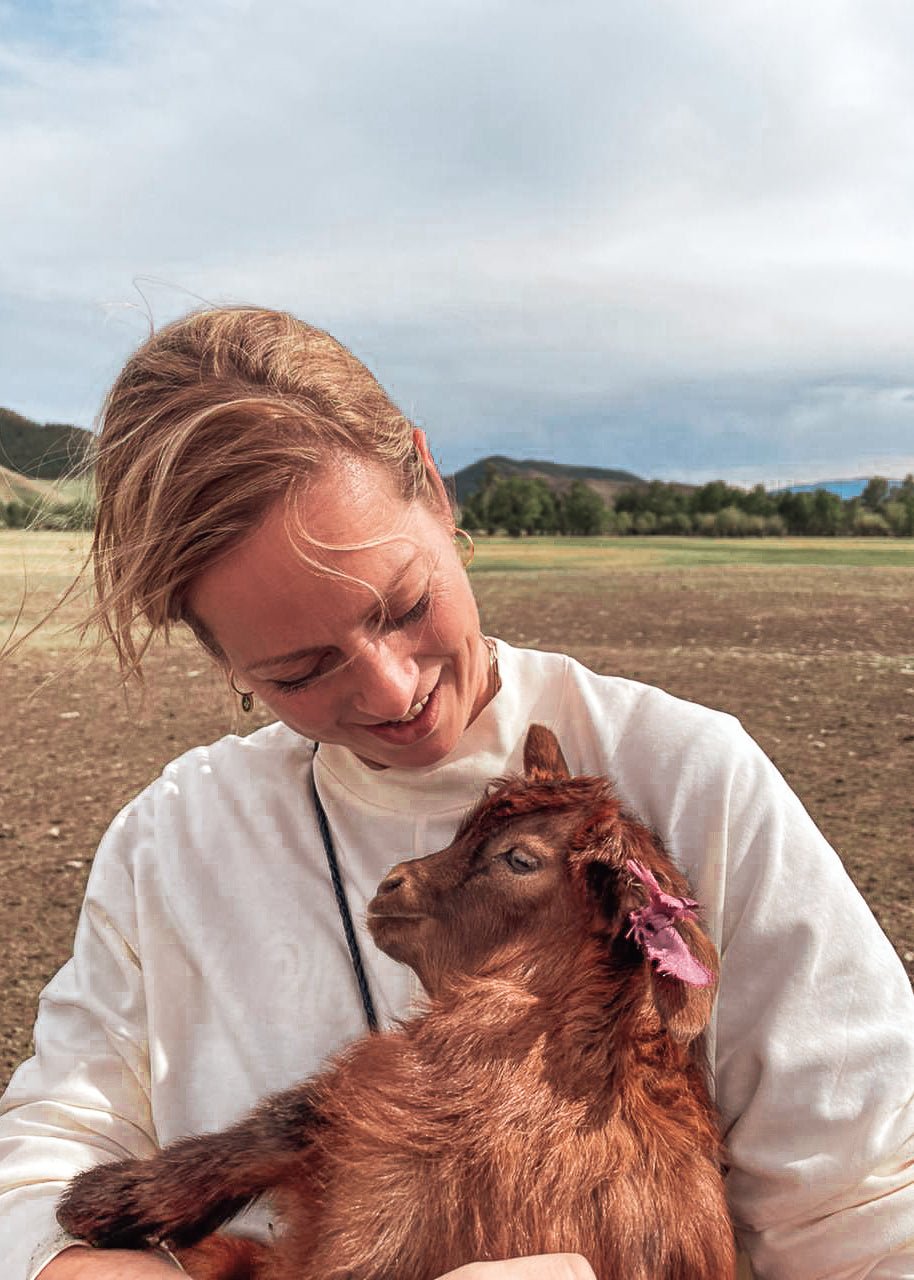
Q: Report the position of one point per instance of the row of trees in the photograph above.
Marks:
(525, 505)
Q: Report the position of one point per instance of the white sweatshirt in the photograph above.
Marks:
(210, 966)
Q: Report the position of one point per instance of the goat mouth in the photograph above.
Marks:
(375, 915)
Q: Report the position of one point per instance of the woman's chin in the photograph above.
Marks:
(419, 755)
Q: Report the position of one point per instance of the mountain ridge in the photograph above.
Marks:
(41, 451)
(607, 481)
(54, 450)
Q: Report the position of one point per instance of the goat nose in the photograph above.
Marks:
(390, 882)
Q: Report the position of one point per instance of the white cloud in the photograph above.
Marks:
(533, 220)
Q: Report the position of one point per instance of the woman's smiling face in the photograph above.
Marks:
(379, 649)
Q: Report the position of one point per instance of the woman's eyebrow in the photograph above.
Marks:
(296, 655)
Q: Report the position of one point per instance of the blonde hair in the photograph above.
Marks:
(216, 418)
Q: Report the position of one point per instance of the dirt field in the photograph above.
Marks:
(817, 660)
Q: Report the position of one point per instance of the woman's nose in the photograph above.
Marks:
(387, 679)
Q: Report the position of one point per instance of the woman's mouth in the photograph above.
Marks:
(413, 712)
(419, 721)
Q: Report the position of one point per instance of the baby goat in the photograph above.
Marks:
(551, 1098)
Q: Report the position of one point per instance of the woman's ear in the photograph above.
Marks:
(439, 493)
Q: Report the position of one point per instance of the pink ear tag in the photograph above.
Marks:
(652, 928)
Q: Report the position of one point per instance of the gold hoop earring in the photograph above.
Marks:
(465, 547)
(247, 698)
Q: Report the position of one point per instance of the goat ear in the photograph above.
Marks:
(653, 920)
(685, 1010)
(682, 959)
(543, 757)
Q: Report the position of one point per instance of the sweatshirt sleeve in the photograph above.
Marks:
(84, 1096)
(812, 1038)
(815, 1046)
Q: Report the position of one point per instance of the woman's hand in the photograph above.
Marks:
(108, 1264)
(546, 1266)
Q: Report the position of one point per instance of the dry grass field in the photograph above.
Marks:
(811, 644)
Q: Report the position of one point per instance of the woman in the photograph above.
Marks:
(257, 484)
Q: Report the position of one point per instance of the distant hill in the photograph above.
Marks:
(845, 489)
(558, 475)
(15, 487)
(44, 452)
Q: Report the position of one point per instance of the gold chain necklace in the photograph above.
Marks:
(493, 663)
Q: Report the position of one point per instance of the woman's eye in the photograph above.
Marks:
(417, 612)
(324, 665)
(520, 862)
(292, 686)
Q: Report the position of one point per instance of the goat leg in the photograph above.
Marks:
(194, 1185)
(226, 1257)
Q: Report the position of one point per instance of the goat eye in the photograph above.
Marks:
(521, 862)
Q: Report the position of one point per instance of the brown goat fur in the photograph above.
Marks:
(550, 1099)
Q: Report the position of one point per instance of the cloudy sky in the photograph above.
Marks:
(665, 235)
